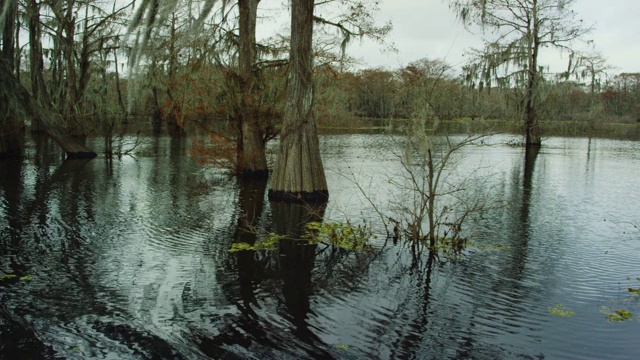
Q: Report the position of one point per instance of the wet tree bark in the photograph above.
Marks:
(533, 136)
(11, 125)
(298, 175)
(13, 91)
(69, 25)
(36, 64)
(252, 160)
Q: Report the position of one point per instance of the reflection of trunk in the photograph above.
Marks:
(296, 264)
(39, 204)
(251, 204)
(252, 159)
(520, 249)
(411, 342)
(529, 163)
(12, 87)
(298, 174)
(11, 187)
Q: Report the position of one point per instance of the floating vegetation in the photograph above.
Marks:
(342, 347)
(560, 310)
(269, 243)
(633, 290)
(616, 315)
(7, 277)
(342, 235)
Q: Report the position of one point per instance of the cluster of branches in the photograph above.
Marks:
(96, 63)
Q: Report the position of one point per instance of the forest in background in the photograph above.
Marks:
(81, 60)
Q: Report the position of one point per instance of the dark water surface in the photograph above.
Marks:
(129, 260)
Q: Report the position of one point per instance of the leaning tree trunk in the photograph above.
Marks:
(298, 174)
(252, 159)
(17, 93)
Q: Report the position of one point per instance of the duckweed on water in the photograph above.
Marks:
(616, 315)
(560, 310)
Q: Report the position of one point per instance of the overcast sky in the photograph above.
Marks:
(428, 28)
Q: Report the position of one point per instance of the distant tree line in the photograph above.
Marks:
(89, 68)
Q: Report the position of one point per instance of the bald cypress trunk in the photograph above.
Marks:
(252, 160)
(298, 175)
(36, 64)
(11, 125)
(69, 26)
(533, 136)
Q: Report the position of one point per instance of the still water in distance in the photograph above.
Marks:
(129, 260)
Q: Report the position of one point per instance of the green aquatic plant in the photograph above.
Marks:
(342, 235)
(7, 277)
(618, 315)
(26, 278)
(342, 347)
(560, 310)
(634, 290)
(269, 243)
(338, 234)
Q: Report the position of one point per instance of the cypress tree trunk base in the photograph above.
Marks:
(254, 174)
(302, 197)
(252, 157)
(533, 138)
(533, 132)
(298, 175)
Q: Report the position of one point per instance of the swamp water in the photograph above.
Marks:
(129, 260)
